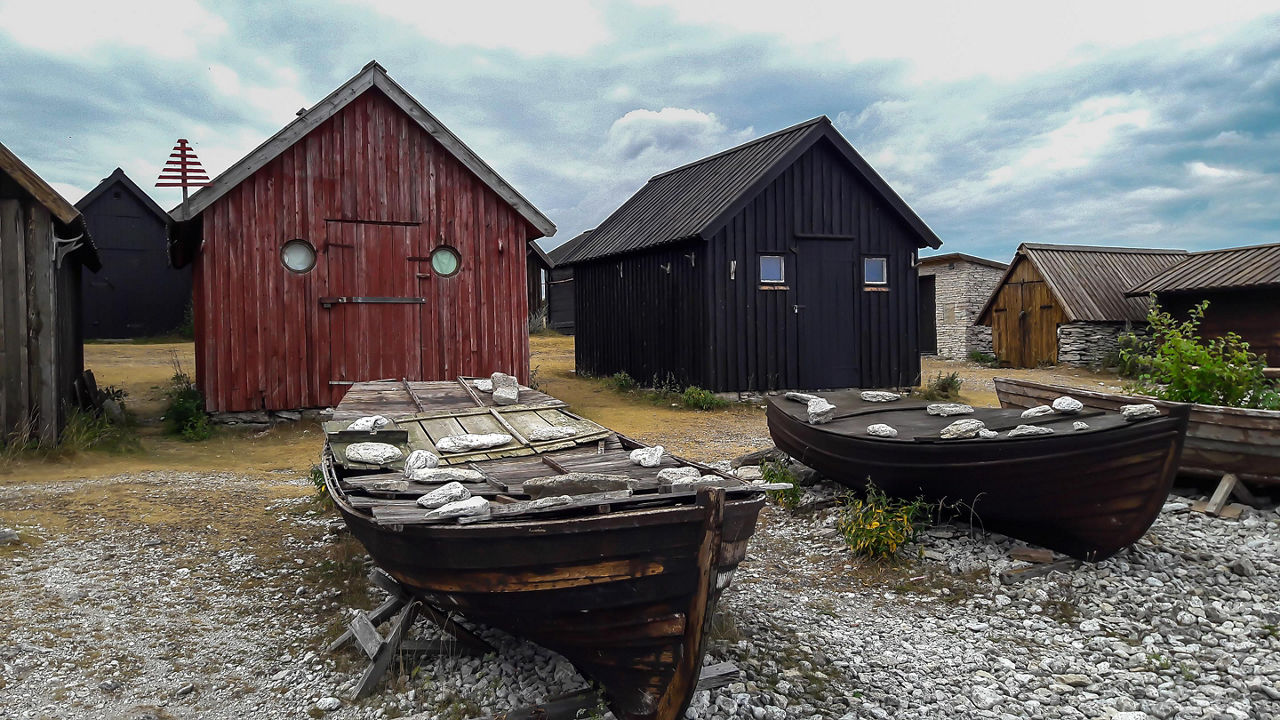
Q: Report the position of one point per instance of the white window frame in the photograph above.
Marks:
(884, 261)
(782, 268)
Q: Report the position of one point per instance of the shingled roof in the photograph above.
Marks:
(1089, 282)
(1231, 268)
(695, 200)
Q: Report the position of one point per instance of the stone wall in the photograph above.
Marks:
(963, 288)
(1086, 344)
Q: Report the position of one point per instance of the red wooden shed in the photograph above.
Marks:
(363, 241)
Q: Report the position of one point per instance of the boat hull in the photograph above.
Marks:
(1085, 497)
(626, 596)
(1219, 439)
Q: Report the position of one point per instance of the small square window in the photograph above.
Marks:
(875, 271)
(772, 269)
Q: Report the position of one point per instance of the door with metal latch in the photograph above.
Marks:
(826, 280)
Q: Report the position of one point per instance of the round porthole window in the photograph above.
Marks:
(445, 261)
(298, 256)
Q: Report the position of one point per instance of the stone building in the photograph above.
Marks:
(953, 289)
(1066, 303)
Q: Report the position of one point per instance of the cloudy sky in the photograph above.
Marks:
(1124, 123)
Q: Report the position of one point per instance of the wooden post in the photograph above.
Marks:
(1220, 496)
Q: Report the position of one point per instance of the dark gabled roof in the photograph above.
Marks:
(962, 257)
(1227, 269)
(372, 76)
(118, 177)
(1089, 282)
(541, 254)
(561, 252)
(63, 212)
(695, 200)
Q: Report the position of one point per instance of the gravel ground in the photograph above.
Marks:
(167, 618)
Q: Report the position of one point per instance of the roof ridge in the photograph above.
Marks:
(1198, 253)
(1102, 248)
(743, 146)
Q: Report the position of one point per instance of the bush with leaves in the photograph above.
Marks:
(1177, 364)
(185, 415)
(695, 398)
(776, 471)
(877, 526)
(943, 387)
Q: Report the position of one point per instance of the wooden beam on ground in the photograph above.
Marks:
(376, 617)
(1220, 496)
(388, 650)
(1017, 575)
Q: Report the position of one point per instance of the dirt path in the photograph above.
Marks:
(979, 388)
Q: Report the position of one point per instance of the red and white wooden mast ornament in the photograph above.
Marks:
(183, 170)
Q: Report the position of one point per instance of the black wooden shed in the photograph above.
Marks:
(786, 262)
(560, 285)
(43, 245)
(138, 293)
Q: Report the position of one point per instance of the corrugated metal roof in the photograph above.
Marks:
(559, 253)
(1090, 282)
(689, 200)
(1243, 267)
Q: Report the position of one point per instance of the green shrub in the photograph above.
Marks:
(187, 328)
(877, 526)
(776, 471)
(981, 358)
(185, 415)
(695, 398)
(1177, 364)
(622, 382)
(943, 387)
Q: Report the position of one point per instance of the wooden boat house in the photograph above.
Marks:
(786, 262)
(560, 287)
(1242, 286)
(363, 241)
(44, 245)
(1066, 303)
(138, 293)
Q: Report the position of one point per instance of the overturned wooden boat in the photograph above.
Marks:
(623, 583)
(1220, 439)
(1087, 493)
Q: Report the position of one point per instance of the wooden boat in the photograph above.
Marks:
(623, 584)
(1086, 493)
(1220, 439)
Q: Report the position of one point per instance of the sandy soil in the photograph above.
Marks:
(979, 388)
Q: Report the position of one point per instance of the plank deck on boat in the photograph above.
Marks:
(393, 400)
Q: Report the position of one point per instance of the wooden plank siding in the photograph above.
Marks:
(712, 325)
(375, 194)
(1025, 319)
(1251, 313)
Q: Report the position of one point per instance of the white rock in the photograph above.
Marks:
(820, 411)
(750, 473)
(463, 508)
(328, 704)
(483, 385)
(443, 495)
(987, 434)
(1079, 425)
(1067, 404)
(948, 409)
(879, 396)
(506, 390)
(368, 423)
(552, 432)
(647, 457)
(800, 397)
(550, 501)
(470, 441)
(374, 453)
(676, 473)
(445, 474)
(420, 460)
(986, 698)
(881, 430)
(1024, 430)
(1139, 412)
(1037, 411)
(966, 428)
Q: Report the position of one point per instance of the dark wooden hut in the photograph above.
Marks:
(138, 293)
(1066, 303)
(363, 241)
(786, 262)
(43, 246)
(560, 285)
(537, 269)
(1242, 286)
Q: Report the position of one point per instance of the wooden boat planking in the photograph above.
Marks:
(1087, 494)
(626, 595)
(1220, 440)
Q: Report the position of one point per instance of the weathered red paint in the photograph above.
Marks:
(371, 191)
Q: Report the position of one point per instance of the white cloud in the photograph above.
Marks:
(669, 132)
(945, 40)
(567, 27)
(165, 28)
(1202, 171)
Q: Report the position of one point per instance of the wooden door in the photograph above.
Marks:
(825, 284)
(373, 304)
(928, 306)
(1024, 324)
